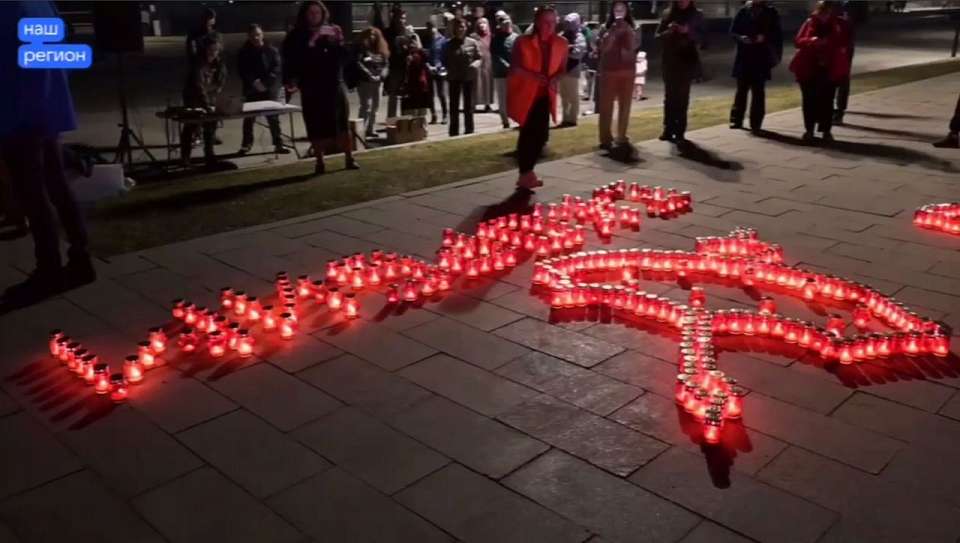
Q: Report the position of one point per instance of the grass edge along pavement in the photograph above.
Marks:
(208, 204)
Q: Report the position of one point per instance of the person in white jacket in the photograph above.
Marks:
(570, 82)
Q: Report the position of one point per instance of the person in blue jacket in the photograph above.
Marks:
(759, 38)
(36, 108)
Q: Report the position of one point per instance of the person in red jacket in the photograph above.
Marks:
(539, 61)
(820, 63)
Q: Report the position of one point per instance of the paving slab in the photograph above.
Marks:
(130, 453)
(378, 344)
(206, 506)
(475, 509)
(252, 453)
(605, 504)
(370, 450)
(281, 399)
(161, 398)
(739, 502)
(78, 507)
(30, 455)
(871, 508)
(480, 390)
(466, 343)
(481, 444)
(564, 344)
(335, 506)
(365, 386)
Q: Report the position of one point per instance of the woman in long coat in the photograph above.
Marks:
(313, 60)
(483, 36)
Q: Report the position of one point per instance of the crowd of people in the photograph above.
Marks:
(462, 62)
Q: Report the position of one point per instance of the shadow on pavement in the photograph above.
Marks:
(200, 197)
(879, 151)
(886, 115)
(921, 137)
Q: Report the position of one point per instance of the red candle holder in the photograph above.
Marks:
(101, 379)
(304, 286)
(393, 293)
(269, 320)
(75, 358)
(216, 344)
(254, 309)
(240, 303)
(133, 369)
(767, 306)
(177, 309)
(373, 275)
(226, 298)
(85, 369)
(145, 354)
(288, 325)
(190, 314)
(244, 343)
(351, 307)
(158, 340)
(334, 298)
(188, 340)
(861, 316)
(118, 388)
(55, 336)
(698, 298)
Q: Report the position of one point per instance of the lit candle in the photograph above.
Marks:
(226, 298)
(132, 369)
(216, 344)
(334, 298)
(304, 289)
(158, 340)
(188, 340)
(190, 315)
(85, 370)
(767, 306)
(351, 307)
(145, 354)
(178, 309)
(244, 343)
(269, 320)
(373, 275)
(697, 297)
(254, 309)
(118, 388)
(861, 316)
(231, 334)
(288, 325)
(101, 379)
(55, 336)
(75, 359)
(240, 304)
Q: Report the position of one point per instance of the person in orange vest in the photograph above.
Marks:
(539, 61)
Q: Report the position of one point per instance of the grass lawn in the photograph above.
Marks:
(207, 204)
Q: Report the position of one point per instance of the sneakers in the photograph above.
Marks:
(736, 125)
(352, 164)
(244, 149)
(79, 271)
(951, 141)
(827, 136)
(280, 150)
(665, 136)
(808, 137)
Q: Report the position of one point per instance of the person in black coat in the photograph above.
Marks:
(258, 64)
(756, 30)
(313, 61)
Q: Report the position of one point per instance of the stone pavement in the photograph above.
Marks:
(475, 418)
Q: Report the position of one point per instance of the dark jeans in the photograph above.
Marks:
(440, 91)
(843, 89)
(466, 89)
(676, 101)
(955, 121)
(186, 139)
(534, 134)
(818, 103)
(758, 102)
(36, 172)
(272, 120)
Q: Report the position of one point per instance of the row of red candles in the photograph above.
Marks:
(945, 217)
(473, 256)
(556, 274)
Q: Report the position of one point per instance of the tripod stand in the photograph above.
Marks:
(125, 147)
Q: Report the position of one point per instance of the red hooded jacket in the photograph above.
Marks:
(822, 44)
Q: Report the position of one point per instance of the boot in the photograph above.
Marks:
(951, 141)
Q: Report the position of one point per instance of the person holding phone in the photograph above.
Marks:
(618, 56)
(681, 33)
(757, 33)
(313, 60)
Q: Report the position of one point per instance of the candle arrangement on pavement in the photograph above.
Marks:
(944, 217)
(568, 278)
